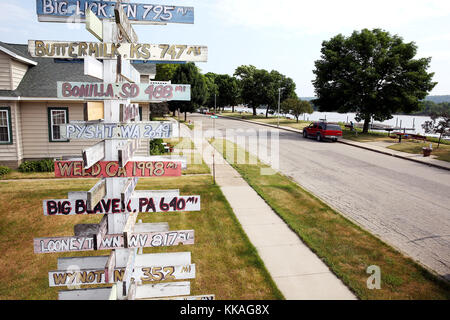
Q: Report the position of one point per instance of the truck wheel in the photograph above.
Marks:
(319, 137)
(305, 135)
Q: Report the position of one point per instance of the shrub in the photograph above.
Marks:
(156, 147)
(44, 165)
(4, 170)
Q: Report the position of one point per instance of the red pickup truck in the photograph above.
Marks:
(322, 131)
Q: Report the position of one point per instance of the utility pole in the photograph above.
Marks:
(279, 98)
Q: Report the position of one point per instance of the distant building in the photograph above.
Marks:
(30, 110)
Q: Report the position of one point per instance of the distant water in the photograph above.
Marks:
(403, 121)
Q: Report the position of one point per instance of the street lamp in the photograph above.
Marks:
(279, 97)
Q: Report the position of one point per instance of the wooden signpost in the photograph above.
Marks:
(112, 115)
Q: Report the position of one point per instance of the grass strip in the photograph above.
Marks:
(347, 249)
(227, 263)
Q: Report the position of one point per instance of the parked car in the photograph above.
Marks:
(323, 131)
(203, 110)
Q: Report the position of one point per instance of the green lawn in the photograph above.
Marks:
(347, 249)
(227, 263)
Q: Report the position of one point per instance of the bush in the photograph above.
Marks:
(44, 165)
(156, 147)
(4, 170)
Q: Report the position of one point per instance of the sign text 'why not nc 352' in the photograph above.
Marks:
(143, 13)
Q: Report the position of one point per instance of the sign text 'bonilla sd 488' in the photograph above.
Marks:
(141, 92)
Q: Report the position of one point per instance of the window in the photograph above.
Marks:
(57, 116)
(5, 125)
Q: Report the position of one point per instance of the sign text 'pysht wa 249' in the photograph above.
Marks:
(99, 130)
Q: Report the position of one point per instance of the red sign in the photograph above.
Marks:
(111, 169)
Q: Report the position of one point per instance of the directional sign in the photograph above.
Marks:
(89, 294)
(111, 169)
(146, 240)
(64, 10)
(128, 111)
(94, 25)
(93, 154)
(138, 92)
(81, 130)
(160, 203)
(128, 190)
(93, 67)
(113, 241)
(124, 24)
(132, 51)
(126, 70)
(163, 290)
(97, 193)
(126, 152)
(201, 297)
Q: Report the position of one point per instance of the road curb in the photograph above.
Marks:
(343, 142)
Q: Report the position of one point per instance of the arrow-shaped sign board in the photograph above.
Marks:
(136, 92)
(94, 25)
(81, 130)
(142, 13)
(132, 51)
(126, 29)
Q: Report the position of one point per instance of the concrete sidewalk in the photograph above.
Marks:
(418, 158)
(296, 270)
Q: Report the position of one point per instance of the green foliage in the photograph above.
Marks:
(44, 165)
(4, 170)
(296, 107)
(372, 74)
(165, 71)
(156, 147)
(189, 74)
(260, 87)
(429, 107)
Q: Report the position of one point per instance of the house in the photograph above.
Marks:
(30, 110)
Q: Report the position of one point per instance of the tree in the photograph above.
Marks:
(189, 74)
(228, 90)
(439, 124)
(296, 107)
(212, 88)
(372, 74)
(165, 71)
(277, 81)
(249, 92)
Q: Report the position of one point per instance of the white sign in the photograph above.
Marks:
(93, 67)
(132, 51)
(93, 154)
(99, 130)
(126, 70)
(94, 25)
(124, 24)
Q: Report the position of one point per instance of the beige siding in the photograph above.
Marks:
(5, 72)
(8, 152)
(18, 70)
(18, 130)
(35, 134)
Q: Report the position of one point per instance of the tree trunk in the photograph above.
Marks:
(439, 141)
(185, 116)
(254, 111)
(232, 109)
(366, 124)
(174, 113)
(267, 111)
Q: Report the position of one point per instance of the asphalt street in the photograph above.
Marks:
(406, 204)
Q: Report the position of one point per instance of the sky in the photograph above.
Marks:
(282, 35)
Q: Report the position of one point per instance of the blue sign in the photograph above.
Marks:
(74, 11)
